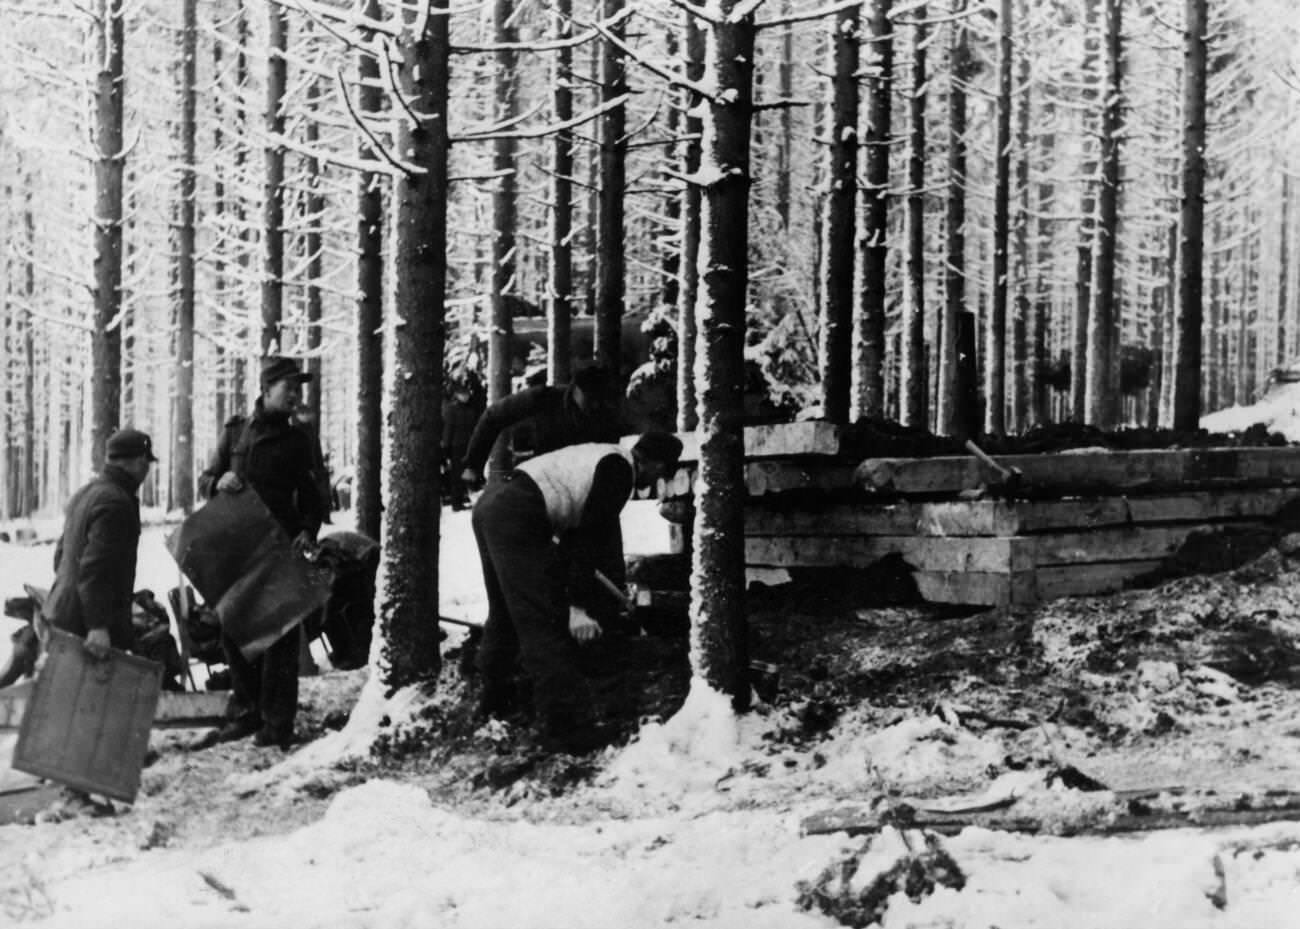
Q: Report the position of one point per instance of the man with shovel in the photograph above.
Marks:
(543, 532)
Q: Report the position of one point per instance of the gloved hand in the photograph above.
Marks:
(581, 626)
(97, 643)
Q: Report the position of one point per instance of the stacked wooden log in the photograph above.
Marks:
(1076, 522)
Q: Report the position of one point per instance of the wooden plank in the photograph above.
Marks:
(1015, 517)
(957, 554)
(1129, 543)
(1028, 587)
(777, 440)
(1119, 470)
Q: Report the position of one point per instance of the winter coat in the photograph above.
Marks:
(276, 457)
(458, 420)
(95, 559)
(539, 420)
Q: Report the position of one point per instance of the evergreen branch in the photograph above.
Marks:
(376, 145)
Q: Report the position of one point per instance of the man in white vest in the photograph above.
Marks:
(542, 534)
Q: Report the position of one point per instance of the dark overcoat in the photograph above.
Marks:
(95, 559)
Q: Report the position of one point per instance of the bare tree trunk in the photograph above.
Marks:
(1187, 367)
(995, 382)
(370, 313)
(504, 220)
(719, 640)
(785, 91)
(1088, 222)
(106, 337)
(693, 66)
(841, 220)
(183, 437)
(1024, 376)
(915, 371)
(408, 598)
(1101, 397)
(955, 275)
(1045, 197)
(559, 310)
(312, 243)
(869, 346)
(610, 259)
(1283, 354)
(277, 76)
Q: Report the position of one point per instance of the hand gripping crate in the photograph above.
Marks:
(87, 722)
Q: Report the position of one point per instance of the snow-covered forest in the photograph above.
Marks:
(190, 184)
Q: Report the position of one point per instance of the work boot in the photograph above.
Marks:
(274, 737)
(231, 731)
(72, 803)
(498, 700)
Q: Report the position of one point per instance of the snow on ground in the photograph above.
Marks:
(1278, 410)
(698, 821)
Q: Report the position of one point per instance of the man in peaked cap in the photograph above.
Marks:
(95, 558)
(271, 453)
(94, 565)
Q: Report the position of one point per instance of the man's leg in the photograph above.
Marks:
(498, 650)
(279, 704)
(242, 715)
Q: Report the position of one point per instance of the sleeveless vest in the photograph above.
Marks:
(565, 477)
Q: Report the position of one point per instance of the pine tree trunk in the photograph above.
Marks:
(312, 243)
(1088, 221)
(183, 431)
(277, 76)
(995, 384)
(1283, 353)
(719, 646)
(693, 67)
(1101, 396)
(785, 91)
(841, 220)
(559, 309)
(1023, 377)
(370, 311)
(869, 346)
(962, 67)
(106, 337)
(610, 259)
(1187, 366)
(408, 598)
(504, 221)
(1045, 198)
(915, 371)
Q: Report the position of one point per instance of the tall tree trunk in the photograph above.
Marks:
(869, 346)
(841, 219)
(785, 91)
(1187, 367)
(559, 310)
(915, 371)
(693, 66)
(1088, 221)
(408, 597)
(719, 636)
(1283, 353)
(277, 76)
(1045, 228)
(995, 368)
(366, 499)
(962, 68)
(504, 220)
(313, 242)
(183, 436)
(610, 259)
(1024, 376)
(1101, 396)
(106, 338)
(1170, 323)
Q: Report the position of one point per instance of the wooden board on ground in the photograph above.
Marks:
(1113, 815)
(1063, 471)
(1030, 586)
(1015, 517)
